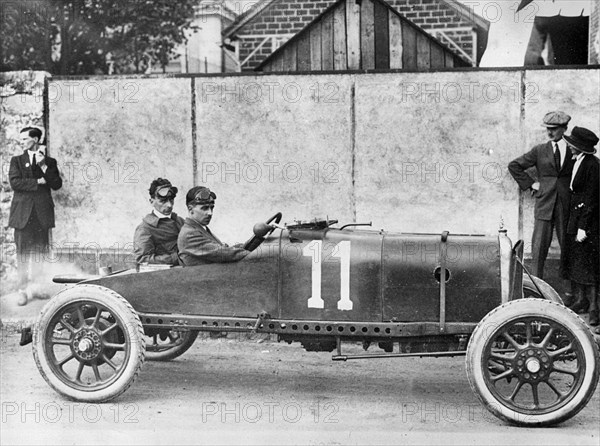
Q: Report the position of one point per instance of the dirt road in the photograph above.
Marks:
(226, 391)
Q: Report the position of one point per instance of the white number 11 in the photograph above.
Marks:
(340, 251)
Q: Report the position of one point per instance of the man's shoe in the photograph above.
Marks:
(581, 303)
(593, 321)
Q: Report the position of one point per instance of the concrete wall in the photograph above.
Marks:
(412, 152)
(111, 138)
(432, 149)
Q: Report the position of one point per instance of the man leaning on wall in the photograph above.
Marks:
(32, 176)
(553, 167)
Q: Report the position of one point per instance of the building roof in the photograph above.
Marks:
(279, 51)
(244, 18)
(261, 5)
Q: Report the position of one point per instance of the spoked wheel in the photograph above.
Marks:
(533, 362)
(164, 345)
(88, 343)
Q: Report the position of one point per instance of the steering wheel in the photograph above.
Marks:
(260, 231)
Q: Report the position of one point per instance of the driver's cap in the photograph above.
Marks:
(200, 195)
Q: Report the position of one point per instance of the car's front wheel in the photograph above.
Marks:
(88, 343)
(533, 362)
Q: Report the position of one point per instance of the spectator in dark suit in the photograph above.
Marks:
(582, 253)
(32, 176)
(551, 190)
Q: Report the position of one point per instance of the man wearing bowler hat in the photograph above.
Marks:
(155, 238)
(197, 244)
(553, 166)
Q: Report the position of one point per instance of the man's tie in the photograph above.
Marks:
(35, 169)
(557, 157)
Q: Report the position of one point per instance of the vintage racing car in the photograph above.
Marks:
(530, 360)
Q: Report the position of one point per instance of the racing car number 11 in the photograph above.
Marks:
(342, 251)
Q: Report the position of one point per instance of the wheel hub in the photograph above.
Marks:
(533, 365)
(87, 344)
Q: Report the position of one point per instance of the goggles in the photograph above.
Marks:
(166, 192)
(204, 196)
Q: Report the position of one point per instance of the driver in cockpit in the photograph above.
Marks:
(197, 244)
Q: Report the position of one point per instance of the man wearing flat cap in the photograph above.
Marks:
(553, 166)
(197, 244)
(155, 239)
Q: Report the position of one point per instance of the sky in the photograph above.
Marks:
(509, 31)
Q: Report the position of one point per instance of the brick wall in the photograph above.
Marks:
(284, 17)
(287, 17)
(437, 15)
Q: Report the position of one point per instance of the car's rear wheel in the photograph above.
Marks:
(88, 343)
(533, 362)
(547, 292)
(165, 345)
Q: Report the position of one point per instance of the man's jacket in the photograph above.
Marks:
(553, 184)
(198, 246)
(29, 195)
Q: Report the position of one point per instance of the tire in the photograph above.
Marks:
(88, 343)
(529, 344)
(165, 345)
(530, 290)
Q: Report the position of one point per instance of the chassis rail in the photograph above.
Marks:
(399, 355)
(263, 323)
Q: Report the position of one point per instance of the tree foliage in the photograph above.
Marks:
(91, 36)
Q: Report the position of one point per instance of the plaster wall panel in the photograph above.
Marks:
(432, 151)
(111, 138)
(412, 152)
(274, 143)
(577, 93)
